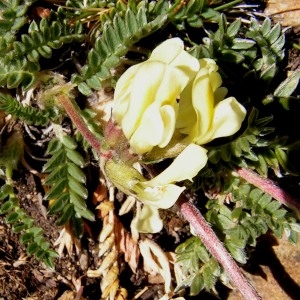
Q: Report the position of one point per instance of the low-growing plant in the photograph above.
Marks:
(92, 77)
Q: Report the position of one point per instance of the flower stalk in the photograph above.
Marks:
(269, 187)
(73, 112)
(216, 248)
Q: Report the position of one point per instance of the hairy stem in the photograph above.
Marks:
(74, 113)
(269, 187)
(216, 248)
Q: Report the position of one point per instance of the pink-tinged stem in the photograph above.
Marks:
(73, 112)
(270, 188)
(216, 248)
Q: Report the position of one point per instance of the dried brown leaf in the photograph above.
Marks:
(100, 194)
(69, 295)
(106, 245)
(127, 205)
(107, 262)
(67, 240)
(156, 262)
(127, 245)
(122, 294)
(104, 208)
(106, 231)
(110, 283)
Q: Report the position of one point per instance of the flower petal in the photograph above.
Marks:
(167, 50)
(228, 117)
(207, 81)
(172, 52)
(160, 196)
(149, 220)
(168, 116)
(187, 116)
(122, 93)
(196, 106)
(149, 132)
(185, 166)
(156, 128)
(143, 90)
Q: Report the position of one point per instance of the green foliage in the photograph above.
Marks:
(29, 114)
(18, 72)
(263, 212)
(284, 91)
(117, 37)
(91, 4)
(19, 64)
(98, 11)
(193, 13)
(288, 86)
(252, 51)
(66, 180)
(271, 41)
(12, 15)
(96, 38)
(251, 213)
(198, 269)
(252, 150)
(226, 44)
(42, 38)
(31, 236)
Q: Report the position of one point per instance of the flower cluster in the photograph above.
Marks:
(172, 92)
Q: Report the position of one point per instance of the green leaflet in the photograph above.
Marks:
(199, 270)
(31, 236)
(38, 42)
(117, 37)
(288, 86)
(66, 181)
(13, 15)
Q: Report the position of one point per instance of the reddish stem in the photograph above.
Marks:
(270, 188)
(72, 110)
(216, 248)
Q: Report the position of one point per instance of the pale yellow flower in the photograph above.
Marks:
(145, 100)
(162, 192)
(171, 90)
(203, 114)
